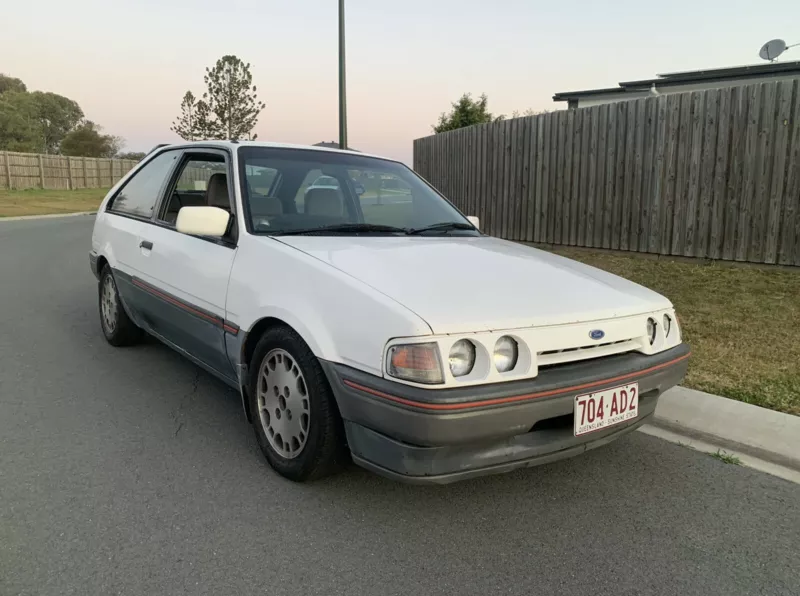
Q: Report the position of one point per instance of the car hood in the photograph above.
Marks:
(464, 284)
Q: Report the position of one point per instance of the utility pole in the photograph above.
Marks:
(342, 85)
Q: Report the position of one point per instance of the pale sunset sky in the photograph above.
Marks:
(128, 64)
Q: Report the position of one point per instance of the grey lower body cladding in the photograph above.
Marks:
(438, 436)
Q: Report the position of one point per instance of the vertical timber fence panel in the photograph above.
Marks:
(20, 171)
(708, 174)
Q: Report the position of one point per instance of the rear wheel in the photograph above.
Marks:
(118, 329)
(295, 418)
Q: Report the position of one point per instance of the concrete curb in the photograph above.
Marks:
(765, 434)
(50, 216)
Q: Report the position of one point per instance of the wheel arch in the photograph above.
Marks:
(101, 263)
(251, 339)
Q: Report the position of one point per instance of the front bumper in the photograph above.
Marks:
(439, 436)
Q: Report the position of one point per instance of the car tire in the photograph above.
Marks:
(295, 417)
(117, 327)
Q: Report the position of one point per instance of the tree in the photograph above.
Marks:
(202, 121)
(186, 124)
(466, 112)
(529, 112)
(57, 116)
(8, 83)
(20, 127)
(86, 140)
(194, 123)
(231, 99)
(36, 121)
(137, 155)
(39, 121)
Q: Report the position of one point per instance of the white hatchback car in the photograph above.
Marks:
(395, 333)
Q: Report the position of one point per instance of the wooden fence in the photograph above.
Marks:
(712, 174)
(31, 170)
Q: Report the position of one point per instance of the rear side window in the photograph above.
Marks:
(197, 172)
(262, 180)
(315, 179)
(141, 193)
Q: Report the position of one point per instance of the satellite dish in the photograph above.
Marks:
(772, 49)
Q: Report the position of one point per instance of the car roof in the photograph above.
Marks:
(232, 145)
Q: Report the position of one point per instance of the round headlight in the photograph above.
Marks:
(667, 325)
(462, 358)
(505, 354)
(651, 331)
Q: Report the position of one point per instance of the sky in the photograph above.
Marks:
(128, 64)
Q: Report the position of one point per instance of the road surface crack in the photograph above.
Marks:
(177, 414)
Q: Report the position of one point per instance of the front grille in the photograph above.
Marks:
(611, 343)
(552, 357)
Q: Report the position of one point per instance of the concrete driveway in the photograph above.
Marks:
(130, 471)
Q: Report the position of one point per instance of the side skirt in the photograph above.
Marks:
(225, 379)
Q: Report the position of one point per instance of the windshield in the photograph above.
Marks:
(295, 191)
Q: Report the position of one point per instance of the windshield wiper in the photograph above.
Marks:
(346, 228)
(445, 226)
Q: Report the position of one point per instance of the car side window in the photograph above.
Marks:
(141, 193)
(202, 180)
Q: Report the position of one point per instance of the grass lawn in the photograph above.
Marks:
(741, 322)
(46, 202)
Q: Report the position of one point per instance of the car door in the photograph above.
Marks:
(127, 217)
(185, 278)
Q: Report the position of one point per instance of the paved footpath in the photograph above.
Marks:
(132, 472)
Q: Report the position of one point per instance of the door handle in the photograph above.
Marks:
(146, 244)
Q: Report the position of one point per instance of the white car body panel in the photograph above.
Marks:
(189, 268)
(340, 318)
(117, 239)
(469, 284)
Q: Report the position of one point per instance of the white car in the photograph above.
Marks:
(397, 334)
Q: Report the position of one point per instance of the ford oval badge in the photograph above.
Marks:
(597, 334)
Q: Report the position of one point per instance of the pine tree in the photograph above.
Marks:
(203, 128)
(232, 98)
(186, 124)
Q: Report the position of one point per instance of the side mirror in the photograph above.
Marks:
(203, 221)
(474, 221)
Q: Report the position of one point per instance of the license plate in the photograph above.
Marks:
(599, 410)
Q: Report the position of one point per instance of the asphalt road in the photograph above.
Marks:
(130, 471)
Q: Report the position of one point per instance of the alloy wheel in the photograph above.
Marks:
(283, 403)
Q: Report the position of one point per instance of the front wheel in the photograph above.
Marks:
(295, 418)
(118, 329)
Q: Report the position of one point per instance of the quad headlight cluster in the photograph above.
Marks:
(420, 363)
(491, 357)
